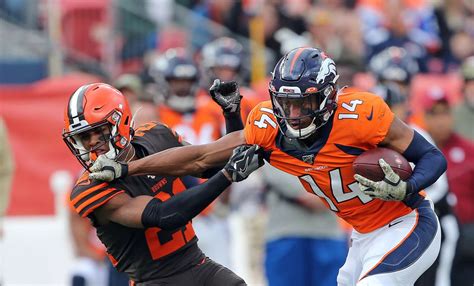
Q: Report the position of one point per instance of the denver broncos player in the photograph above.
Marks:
(144, 221)
(177, 77)
(188, 112)
(310, 130)
(223, 59)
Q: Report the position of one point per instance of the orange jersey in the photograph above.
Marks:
(199, 127)
(360, 122)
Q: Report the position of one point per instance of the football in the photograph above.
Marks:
(367, 164)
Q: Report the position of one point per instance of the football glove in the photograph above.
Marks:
(105, 169)
(244, 160)
(391, 188)
(227, 95)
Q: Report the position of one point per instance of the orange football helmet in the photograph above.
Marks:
(91, 107)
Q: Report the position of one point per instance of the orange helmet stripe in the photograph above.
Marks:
(295, 58)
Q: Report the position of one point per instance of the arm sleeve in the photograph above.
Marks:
(233, 122)
(430, 164)
(439, 188)
(180, 209)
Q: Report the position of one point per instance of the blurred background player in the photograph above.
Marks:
(305, 245)
(224, 59)
(186, 111)
(179, 105)
(6, 176)
(131, 87)
(464, 112)
(459, 153)
(396, 68)
(90, 267)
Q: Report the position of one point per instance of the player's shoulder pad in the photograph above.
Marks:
(88, 194)
(261, 127)
(155, 136)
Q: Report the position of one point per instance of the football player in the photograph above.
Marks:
(223, 59)
(313, 131)
(144, 221)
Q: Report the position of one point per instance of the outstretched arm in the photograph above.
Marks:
(146, 211)
(188, 160)
(178, 161)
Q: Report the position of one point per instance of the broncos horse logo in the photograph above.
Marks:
(327, 68)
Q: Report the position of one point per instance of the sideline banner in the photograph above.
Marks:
(34, 118)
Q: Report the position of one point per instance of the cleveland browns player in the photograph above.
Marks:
(314, 131)
(145, 221)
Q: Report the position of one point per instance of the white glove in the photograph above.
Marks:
(105, 169)
(391, 188)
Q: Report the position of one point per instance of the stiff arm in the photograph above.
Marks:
(188, 160)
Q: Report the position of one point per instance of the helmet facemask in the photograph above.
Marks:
(303, 91)
(182, 94)
(108, 131)
(301, 114)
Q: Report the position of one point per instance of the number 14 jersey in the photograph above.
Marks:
(360, 122)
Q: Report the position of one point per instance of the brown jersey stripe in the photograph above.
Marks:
(86, 211)
(75, 198)
(93, 199)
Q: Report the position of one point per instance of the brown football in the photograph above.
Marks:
(367, 164)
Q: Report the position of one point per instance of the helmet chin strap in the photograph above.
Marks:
(302, 133)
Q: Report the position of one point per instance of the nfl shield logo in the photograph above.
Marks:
(308, 158)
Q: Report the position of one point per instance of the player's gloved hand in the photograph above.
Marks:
(244, 160)
(105, 169)
(391, 188)
(227, 95)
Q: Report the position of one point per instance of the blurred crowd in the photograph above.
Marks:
(417, 54)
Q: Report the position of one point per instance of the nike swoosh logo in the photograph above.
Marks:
(244, 169)
(371, 114)
(98, 108)
(395, 223)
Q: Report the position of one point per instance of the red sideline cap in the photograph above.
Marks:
(433, 95)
